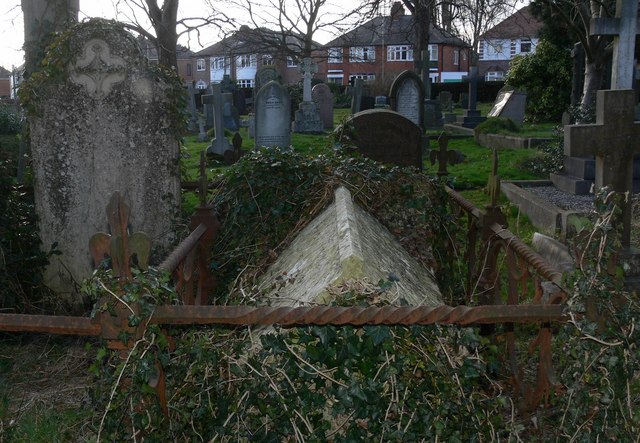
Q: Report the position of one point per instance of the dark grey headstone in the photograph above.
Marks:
(273, 116)
(323, 97)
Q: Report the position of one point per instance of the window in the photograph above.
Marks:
(189, 73)
(291, 62)
(219, 63)
(362, 54)
(335, 76)
(494, 76)
(201, 84)
(245, 83)
(400, 53)
(433, 53)
(365, 77)
(267, 60)
(525, 45)
(456, 57)
(200, 64)
(247, 61)
(335, 55)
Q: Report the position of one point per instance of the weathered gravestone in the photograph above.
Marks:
(323, 98)
(104, 126)
(613, 140)
(386, 136)
(345, 243)
(219, 145)
(273, 116)
(191, 104)
(407, 96)
(207, 104)
(264, 75)
(509, 104)
(446, 101)
(307, 118)
(472, 117)
(230, 114)
(356, 95)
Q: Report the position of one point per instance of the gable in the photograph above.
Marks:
(520, 24)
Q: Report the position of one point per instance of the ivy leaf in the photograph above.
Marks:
(377, 334)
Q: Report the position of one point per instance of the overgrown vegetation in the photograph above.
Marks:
(546, 77)
(497, 125)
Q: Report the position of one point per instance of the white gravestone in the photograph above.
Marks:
(273, 116)
(407, 96)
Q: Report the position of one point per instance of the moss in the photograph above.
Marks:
(496, 125)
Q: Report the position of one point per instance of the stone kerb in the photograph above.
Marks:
(345, 243)
(108, 125)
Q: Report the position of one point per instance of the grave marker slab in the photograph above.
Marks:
(388, 137)
(219, 145)
(323, 97)
(103, 128)
(509, 104)
(307, 118)
(407, 96)
(272, 116)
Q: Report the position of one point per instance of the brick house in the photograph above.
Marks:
(5, 83)
(515, 35)
(184, 57)
(243, 52)
(382, 48)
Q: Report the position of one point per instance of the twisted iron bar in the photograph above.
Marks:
(356, 316)
(181, 251)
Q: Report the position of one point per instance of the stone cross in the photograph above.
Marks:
(219, 144)
(307, 69)
(623, 28)
(356, 101)
(613, 140)
(443, 155)
(473, 87)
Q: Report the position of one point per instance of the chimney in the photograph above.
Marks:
(397, 9)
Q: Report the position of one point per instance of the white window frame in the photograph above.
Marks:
(219, 63)
(400, 53)
(291, 62)
(360, 54)
(456, 57)
(267, 60)
(201, 84)
(245, 83)
(433, 53)
(247, 61)
(201, 64)
(334, 55)
(526, 41)
(365, 77)
(494, 76)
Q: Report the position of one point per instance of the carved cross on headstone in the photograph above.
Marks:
(120, 246)
(307, 69)
(97, 69)
(444, 156)
(613, 140)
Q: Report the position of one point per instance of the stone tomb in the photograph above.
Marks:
(387, 136)
(272, 116)
(345, 243)
(104, 127)
(509, 104)
(407, 97)
(307, 117)
(323, 98)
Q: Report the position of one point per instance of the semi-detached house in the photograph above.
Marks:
(383, 48)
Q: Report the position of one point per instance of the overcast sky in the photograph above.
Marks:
(12, 29)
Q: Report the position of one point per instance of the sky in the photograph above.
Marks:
(12, 29)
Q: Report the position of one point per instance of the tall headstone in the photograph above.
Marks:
(230, 114)
(273, 116)
(356, 95)
(323, 98)
(264, 75)
(219, 144)
(105, 126)
(193, 112)
(307, 118)
(207, 102)
(472, 117)
(407, 96)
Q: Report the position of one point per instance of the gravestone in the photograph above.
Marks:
(227, 85)
(207, 103)
(509, 104)
(264, 75)
(230, 114)
(103, 127)
(219, 145)
(323, 98)
(446, 101)
(386, 136)
(307, 118)
(613, 140)
(381, 102)
(273, 116)
(407, 96)
(356, 95)
(472, 117)
(345, 243)
(192, 123)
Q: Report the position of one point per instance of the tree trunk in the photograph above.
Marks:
(42, 18)
(164, 23)
(592, 80)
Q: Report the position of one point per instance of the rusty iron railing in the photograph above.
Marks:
(493, 256)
